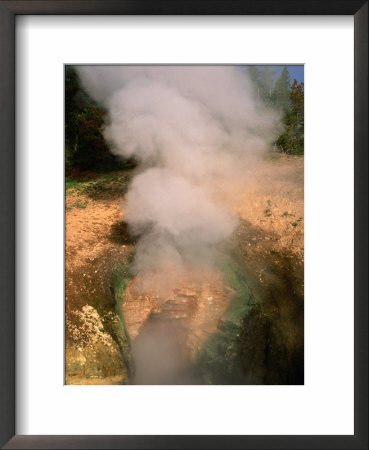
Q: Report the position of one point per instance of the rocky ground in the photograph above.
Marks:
(111, 325)
(184, 316)
(96, 241)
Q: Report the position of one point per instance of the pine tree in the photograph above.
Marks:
(292, 139)
(266, 85)
(297, 99)
(282, 91)
(254, 75)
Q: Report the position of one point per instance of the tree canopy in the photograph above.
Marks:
(285, 97)
(85, 146)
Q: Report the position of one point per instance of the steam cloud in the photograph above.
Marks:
(193, 130)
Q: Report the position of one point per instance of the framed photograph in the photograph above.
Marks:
(184, 224)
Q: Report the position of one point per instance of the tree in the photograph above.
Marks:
(297, 114)
(297, 99)
(71, 90)
(292, 139)
(254, 76)
(282, 91)
(85, 146)
(287, 99)
(266, 85)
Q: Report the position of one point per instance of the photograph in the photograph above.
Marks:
(166, 245)
(184, 224)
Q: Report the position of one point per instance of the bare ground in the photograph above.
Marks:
(269, 241)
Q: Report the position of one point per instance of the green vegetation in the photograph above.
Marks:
(81, 205)
(286, 214)
(292, 140)
(120, 279)
(78, 204)
(235, 277)
(218, 360)
(286, 98)
(85, 146)
(112, 184)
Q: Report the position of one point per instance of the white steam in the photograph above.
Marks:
(192, 130)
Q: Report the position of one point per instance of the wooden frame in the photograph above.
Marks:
(8, 11)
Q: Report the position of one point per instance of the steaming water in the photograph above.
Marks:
(158, 353)
(193, 130)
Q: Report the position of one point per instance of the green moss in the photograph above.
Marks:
(218, 360)
(242, 299)
(112, 184)
(80, 205)
(121, 277)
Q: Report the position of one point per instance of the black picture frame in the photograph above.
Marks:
(8, 11)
